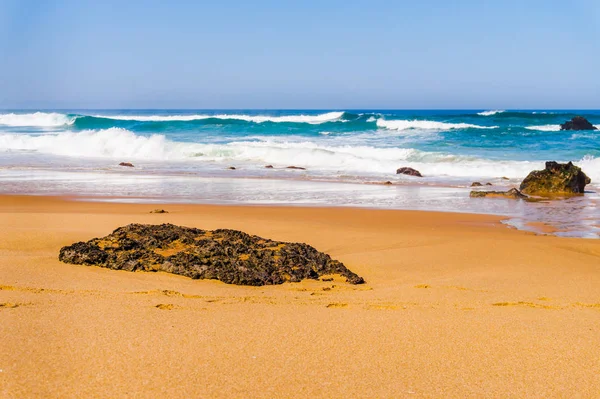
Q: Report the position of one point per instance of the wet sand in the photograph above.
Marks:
(455, 305)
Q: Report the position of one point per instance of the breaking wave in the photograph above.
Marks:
(426, 125)
(490, 113)
(311, 119)
(36, 119)
(544, 128)
(122, 144)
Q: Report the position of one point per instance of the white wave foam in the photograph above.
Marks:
(426, 125)
(311, 119)
(544, 128)
(112, 143)
(490, 113)
(37, 119)
(121, 144)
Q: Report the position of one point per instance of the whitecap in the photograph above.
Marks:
(544, 128)
(427, 125)
(311, 119)
(37, 119)
(490, 113)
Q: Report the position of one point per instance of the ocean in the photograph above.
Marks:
(188, 156)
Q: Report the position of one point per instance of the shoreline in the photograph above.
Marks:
(41, 202)
(508, 221)
(454, 305)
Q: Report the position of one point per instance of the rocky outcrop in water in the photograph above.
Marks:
(408, 171)
(230, 256)
(556, 178)
(578, 123)
(126, 164)
(513, 193)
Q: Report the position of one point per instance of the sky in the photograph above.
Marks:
(236, 54)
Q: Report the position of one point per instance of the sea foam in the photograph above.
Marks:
(426, 125)
(544, 128)
(112, 143)
(490, 113)
(121, 144)
(311, 119)
(37, 119)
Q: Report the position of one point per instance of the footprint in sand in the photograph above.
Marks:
(524, 304)
(11, 305)
(166, 306)
(337, 305)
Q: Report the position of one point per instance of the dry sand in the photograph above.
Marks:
(455, 305)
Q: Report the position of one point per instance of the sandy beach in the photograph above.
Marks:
(455, 305)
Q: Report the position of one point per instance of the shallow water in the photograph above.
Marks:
(574, 217)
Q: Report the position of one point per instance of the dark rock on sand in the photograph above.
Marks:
(388, 183)
(408, 171)
(159, 211)
(269, 167)
(230, 256)
(476, 184)
(578, 123)
(556, 178)
(513, 193)
(127, 164)
(231, 168)
(488, 184)
(295, 167)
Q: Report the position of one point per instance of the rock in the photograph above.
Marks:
(408, 171)
(127, 164)
(159, 211)
(556, 178)
(295, 167)
(230, 256)
(476, 184)
(513, 193)
(488, 184)
(231, 168)
(269, 167)
(505, 178)
(388, 183)
(578, 123)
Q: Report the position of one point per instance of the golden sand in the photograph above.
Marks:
(455, 306)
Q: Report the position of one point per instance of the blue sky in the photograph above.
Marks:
(301, 54)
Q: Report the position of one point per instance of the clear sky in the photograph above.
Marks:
(300, 54)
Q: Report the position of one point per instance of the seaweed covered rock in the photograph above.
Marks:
(513, 193)
(556, 178)
(578, 123)
(408, 171)
(230, 256)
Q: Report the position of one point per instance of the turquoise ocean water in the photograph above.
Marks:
(184, 155)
